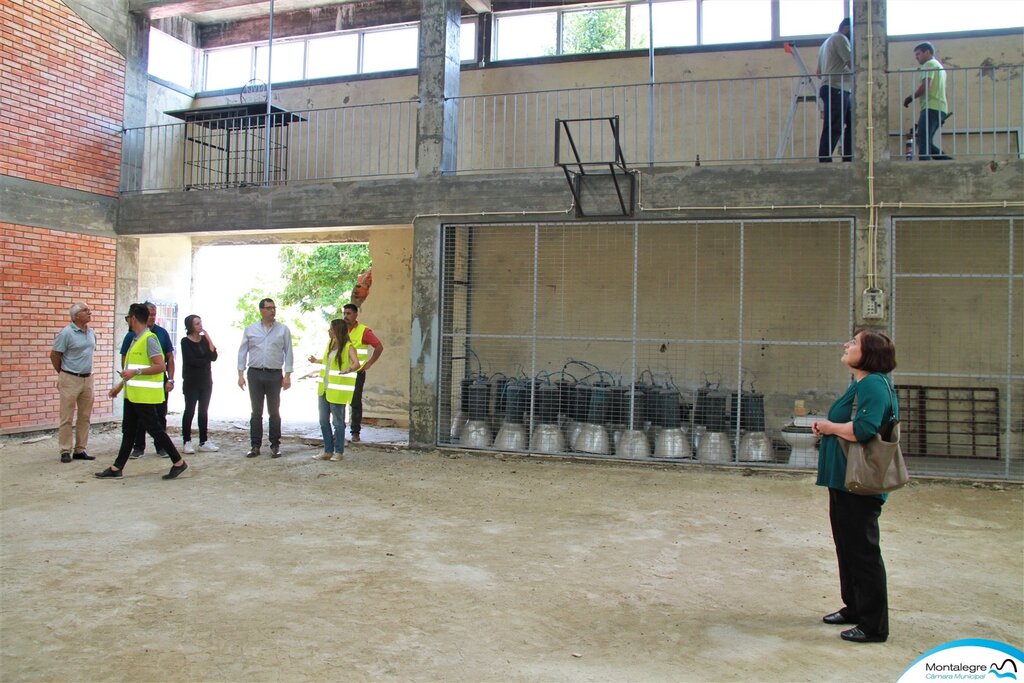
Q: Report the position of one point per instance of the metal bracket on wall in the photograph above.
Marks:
(596, 157)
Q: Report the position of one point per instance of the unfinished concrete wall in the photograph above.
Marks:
(387, 312)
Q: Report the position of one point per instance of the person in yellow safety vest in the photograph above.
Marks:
(143, 380)
(363, 339)
(335, 389)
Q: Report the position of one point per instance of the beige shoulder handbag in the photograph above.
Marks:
(877, 466)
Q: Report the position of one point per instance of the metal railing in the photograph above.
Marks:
(375, 140)
(749, 120)
(986, 106)
(727, 121)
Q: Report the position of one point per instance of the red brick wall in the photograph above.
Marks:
(63, 98)
(41, 277)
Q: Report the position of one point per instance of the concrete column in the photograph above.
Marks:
(876, 81)
(126, 292)
(136, 84)
(870, 39)
(439, 63)
(424, 337)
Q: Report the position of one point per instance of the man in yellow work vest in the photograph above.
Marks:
(143, 382)
(363, 339)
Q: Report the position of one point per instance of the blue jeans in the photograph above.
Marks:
(334, 442)
(928, 124)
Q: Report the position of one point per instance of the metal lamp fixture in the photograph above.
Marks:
(671, 440)
(547, 438)
(512, 435)
(632, 443)
(715, 447)
(593, 437)
(756, 447)
(475, 432)
(548, 404)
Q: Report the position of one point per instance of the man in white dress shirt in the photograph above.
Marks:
(265, 353)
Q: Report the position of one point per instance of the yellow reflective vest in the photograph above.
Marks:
(142, 388)
(338, 387)
(355, 336)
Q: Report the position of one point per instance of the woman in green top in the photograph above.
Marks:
(870, 355)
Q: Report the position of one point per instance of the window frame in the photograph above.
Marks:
(561, 11)
(204, 55)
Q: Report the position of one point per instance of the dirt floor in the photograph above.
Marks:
(399, 564)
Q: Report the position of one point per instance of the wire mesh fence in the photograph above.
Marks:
(959, 322)
(704, 341)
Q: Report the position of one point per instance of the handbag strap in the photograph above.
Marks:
(894, 408)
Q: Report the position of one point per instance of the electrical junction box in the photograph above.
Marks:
(873, 304)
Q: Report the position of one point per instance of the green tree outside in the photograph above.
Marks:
(321, 278)
(317, 279)
(594, 30)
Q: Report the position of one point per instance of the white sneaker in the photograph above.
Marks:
(188, 448)
(209, 446)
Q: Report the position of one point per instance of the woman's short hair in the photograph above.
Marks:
(877, 352)
(189, 319)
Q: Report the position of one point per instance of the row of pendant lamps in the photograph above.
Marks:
(588, 410)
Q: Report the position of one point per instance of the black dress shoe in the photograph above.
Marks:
(83, 456)
(855, 635)
(838, 619)
(109, 474)
(65, 457)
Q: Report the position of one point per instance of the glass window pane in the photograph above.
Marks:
(288, 58)
(810, 17)
(913, 16)
(391, 49)
(333, 56)
(594, 30)
(525, 35)
(467, 41)
(675, 23)
(229, 68)
(170, 59)
(736, 21)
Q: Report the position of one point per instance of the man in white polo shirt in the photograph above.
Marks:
(71, 356)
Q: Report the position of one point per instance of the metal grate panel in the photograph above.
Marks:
(960, 422)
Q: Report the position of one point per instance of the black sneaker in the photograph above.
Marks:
(137, 452)
(162, 453)
(109, 474)
(65, 457)
(83, 456)
(275, 451)
(175, 471)
(253, 452)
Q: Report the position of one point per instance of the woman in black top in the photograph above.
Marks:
(197, 352)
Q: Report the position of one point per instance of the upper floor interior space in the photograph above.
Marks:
(298, 90)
